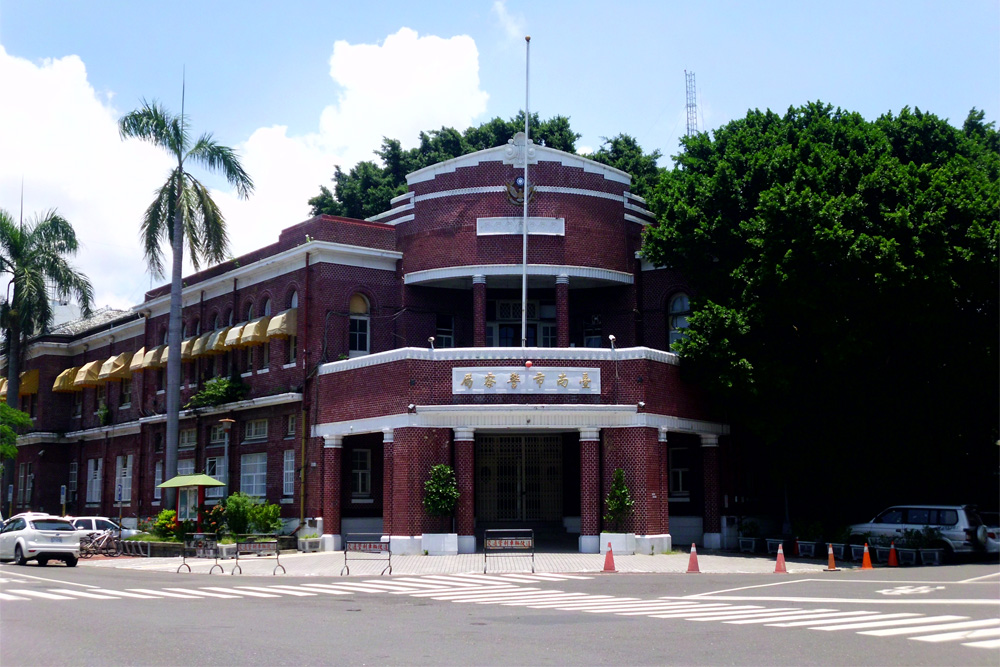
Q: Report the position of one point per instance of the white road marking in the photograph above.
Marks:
(991, 643)
(252, 594)
(321, 588)
(275, 589)
(872, 601)
(40, 594)
(560, 597)
(904, 621)
(55, 581)
(464, 592)
(995, 575)
(5, 596)
(201, 593)
(168, 594)
(637, 607)
(125, 594)
(82, 594)
(872, 614)
(992, 623)
(593, 601)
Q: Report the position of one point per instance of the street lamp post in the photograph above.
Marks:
(227, 426)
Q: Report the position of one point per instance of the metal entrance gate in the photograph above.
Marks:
(519, 477)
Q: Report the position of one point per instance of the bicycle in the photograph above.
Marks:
(106, 543)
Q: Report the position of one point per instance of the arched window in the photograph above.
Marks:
(293, 302)
(249, 312)
(229, 318)
(267, 307)
(216, 322)
(680, 309)
(358, 343)
(291, 348)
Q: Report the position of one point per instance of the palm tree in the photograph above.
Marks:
(34, 256)
(182, 207)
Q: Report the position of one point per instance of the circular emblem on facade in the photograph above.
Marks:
(520, 181)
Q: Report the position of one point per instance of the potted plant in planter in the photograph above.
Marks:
(309, 543)
(618, 507)
(881, 545)
(440, 499)
(807, 537)
(749, 536)
(907, 547)
(840, 542)
(928, 544)
(858, 543)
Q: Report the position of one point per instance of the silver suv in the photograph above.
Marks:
(962, 530)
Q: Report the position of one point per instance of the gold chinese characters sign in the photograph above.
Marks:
(521, 380)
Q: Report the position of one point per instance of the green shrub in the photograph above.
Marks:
(246, 514)
(619, 504)
(265, 518)
(441, 491)
(218, 391)
(165, 525)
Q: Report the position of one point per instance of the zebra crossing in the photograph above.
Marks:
(516, 590)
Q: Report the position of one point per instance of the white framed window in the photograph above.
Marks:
(358, 336)
(680, 469)
(95, 478)
(72, 481)
(102, 396)
(24, 483)
(123, 476)
(549, 335)
(187, 438)
(77, 403)
(361, 473)
(680, 309)
(253, 474)
(290, 425)
(292, 349)
(185, 467)
(288, 473)
(266, 310)
(125, 397)
(157, 480)
(265, 356)
(215, 467)
(217, 434)
(256, 429)
(444, 334)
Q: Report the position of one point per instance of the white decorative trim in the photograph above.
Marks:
(459, 192)
(399, 220)
(629, 195)
(536, 354)
(638, 209)
(99, 433)
(555, 380)
(537, 226)
(464, 434)
(497, 154)
(562, 279)
(394, 210)
(388, 435)
(580, 192)
(679, 425)
(335, 441)
(249, 404)
(632, 218)
(452, 272)
(709, 439)
(478, 279)
(590, 434)
(398, 198)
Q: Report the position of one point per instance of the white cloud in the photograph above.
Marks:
(513, 26)
(61, 136)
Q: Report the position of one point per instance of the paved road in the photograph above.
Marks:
(948, 615)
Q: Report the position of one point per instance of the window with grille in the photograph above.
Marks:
(253, 474)
(77, 403)
(157, 480)
(217, 434)
(102, 396)
(680, 310)
(288, 473)
(71, 482)
(444, 335)
(187, 438)
(256, 429)
(126, 392)
(24, 483)
(361, 473)
(94, 480)
(290, 425)
(215, 468)
(680, 469)
(185, 467)
(123, 476)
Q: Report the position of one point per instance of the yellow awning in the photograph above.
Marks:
(87, 375)
(152, 358)
(116, 368)
(235, 336)
(64, 381)
(283, 324)
(200, 347)
(137, 359)
(186, 347)
(255, 332)
(3, 388)
(29, 382)
(217, 343)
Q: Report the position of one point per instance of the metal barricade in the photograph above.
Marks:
(201, 545)
(136, 548)
(509, 542)
(259, 548)
(372, 544)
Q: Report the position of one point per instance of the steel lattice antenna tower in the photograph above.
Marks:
(692, 104)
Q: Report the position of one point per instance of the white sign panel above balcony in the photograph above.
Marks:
(521, 380)
(512, 225)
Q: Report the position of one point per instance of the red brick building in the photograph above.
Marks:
(375, 349)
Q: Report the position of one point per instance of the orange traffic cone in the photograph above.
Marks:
(893, 560)
(866, 562)
(609, 560)
(795, 548)
(779, 566)
(693, 561)
(832, 566)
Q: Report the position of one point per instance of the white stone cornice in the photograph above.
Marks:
(463, 434)
(99, 433)
(680, 425)
(549, 355)
(335, 441)
(590, 434)
(553, 270)
(709, 439)
(388, 436)
(238, 406)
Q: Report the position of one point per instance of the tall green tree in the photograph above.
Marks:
(11, 422)
(367, 188)
(183, 209)
(624, 152)
(33, 257)
(845, 303)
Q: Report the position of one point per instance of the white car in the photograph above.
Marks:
(41, 538)
(91, 525)
(962, 530)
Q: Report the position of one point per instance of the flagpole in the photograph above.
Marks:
(524, 214)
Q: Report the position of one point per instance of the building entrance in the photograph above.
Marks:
(519, 478)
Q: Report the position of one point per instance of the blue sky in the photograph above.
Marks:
(298, 87)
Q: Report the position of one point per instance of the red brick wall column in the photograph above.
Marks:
(562, 311)
(664, 493)
(387, 475)
(710, 466)
(590, 482)
(479, 310)
(465, 473)
(333, 451)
